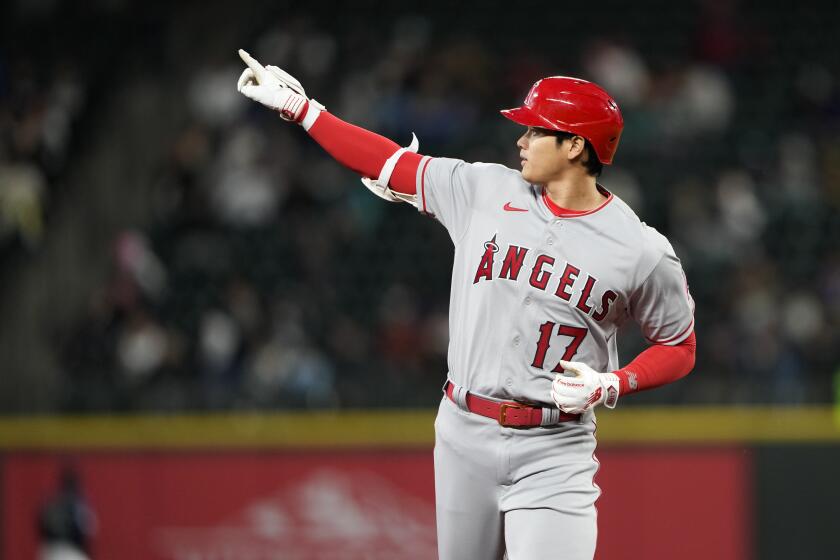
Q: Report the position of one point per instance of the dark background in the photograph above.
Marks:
(167, 245)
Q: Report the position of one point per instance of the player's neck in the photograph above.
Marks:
(575, 192)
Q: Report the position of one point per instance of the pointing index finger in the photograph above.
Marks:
(252, 63)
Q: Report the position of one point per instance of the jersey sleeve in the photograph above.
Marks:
(446, 190)
(663, 306)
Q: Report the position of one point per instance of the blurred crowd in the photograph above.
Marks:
(267, 276)
(38, 111)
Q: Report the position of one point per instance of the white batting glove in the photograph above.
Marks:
(272, 87)
(581, 388)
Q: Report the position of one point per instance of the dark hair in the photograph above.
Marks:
(592, 164)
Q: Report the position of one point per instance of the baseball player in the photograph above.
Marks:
(548, 264)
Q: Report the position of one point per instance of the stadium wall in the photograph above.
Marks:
(736, 483)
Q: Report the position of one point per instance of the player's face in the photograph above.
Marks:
(544, 159)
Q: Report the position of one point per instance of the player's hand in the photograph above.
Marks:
(581, 388)
(272, 87)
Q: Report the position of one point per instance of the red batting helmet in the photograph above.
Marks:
(575, 106)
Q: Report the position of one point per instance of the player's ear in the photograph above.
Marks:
(577, 145)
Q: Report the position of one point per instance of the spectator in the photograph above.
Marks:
(66, 522)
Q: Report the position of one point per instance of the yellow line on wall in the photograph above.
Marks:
(259, 430)
(353, 429)
(720, 425)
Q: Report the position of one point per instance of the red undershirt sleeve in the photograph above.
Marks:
(365, 152)
(657, 365)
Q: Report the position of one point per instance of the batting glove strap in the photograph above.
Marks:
(313, 111)
(610, 383)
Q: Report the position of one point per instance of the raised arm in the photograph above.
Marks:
(388, 170)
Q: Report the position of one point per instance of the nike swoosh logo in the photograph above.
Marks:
(508, 208)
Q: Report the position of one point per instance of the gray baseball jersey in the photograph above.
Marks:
(530, 288)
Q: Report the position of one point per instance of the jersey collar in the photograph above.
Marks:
(561, 212)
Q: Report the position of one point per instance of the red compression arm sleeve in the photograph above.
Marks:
(365, 152)
(657, 365)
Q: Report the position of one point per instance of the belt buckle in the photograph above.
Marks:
(503, 413)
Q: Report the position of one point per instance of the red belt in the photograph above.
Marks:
(507, 413)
